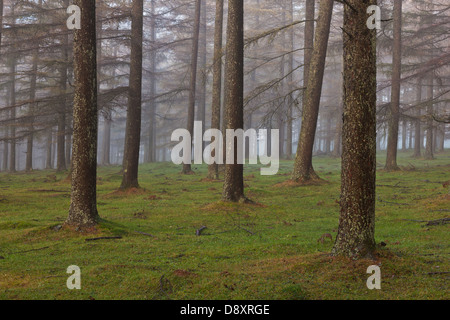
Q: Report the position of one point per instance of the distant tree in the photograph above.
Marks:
(187, 168)
(356, 233)
(303, 168)
(133, 127)
(213, 169)
(394, 114)
(233, 189)
(83, 207)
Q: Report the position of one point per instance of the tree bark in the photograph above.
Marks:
(391, 159)
(356, 233)
(233, 189)
(303, 168)
(133, 126)
(213, 169)
(83, 207)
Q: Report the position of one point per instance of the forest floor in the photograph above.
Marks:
(266, 250)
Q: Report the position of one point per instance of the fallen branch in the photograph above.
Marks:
(437, 273)
(103, 238)
(199, 231)
(30, 250)
(252, 233)
(438, 222)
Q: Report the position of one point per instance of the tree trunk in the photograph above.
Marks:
(233, 189)
(429, 155)
(61, 134)
(133, 126)
(213, 169)
(356, 233)
(151, 152)
(289, 123)
(187, 169)
(417, 123)
(30, 137)
(12, 134)
(106, 149)
(83, 207)
(391, 159)
(303, 169)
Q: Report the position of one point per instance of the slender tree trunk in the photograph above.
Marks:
(417, 123)
(213, 169)
(338, 134)
(391, 159)
(68, 142)
(133, 127)
(49, 145)
(233, 189)
(404, 134)
(5, 143)
(289, 123)
(201, 115)
(303, 169)
(12, 134)
(356, 233)
(30, 137)
(429, 155)
(61, 134)
(152, 121)
(106, 149)
(187, 168)
(83, 207)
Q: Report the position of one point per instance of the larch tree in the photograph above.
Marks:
(233, 189)
(213, 169)
(133, 126)
(303, 168)
(83, 206)
(394, 115)
(151, 153)
(187, 167)
(356, 232)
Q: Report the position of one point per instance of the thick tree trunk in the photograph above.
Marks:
(303, 169)
(394, 117)
(83, 207)
(356, 234)
(187, 168)
(213, 169)
(233, 189)
(133, 127)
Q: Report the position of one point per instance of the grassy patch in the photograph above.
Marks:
(265, 250)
